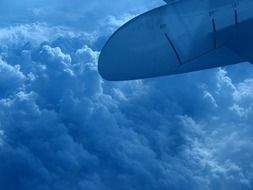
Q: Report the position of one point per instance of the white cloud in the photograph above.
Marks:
(78, 14)
(65, 128)
(244, 90)
(11, 78)
(208, 96)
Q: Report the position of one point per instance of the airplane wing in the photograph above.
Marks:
(178, 38)
(171, 1)
(164, 41)
(212, 4)
(239, 39)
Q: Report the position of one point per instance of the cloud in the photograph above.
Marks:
(76, 14)
(63, 127)
(11, 79)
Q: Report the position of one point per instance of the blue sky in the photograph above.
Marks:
(63, 127)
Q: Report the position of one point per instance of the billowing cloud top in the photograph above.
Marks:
(63, 127)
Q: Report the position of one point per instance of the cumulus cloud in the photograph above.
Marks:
(63, 127)
(11, 79)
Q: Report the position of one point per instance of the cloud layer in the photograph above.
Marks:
(63, 127)
(77, 14)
